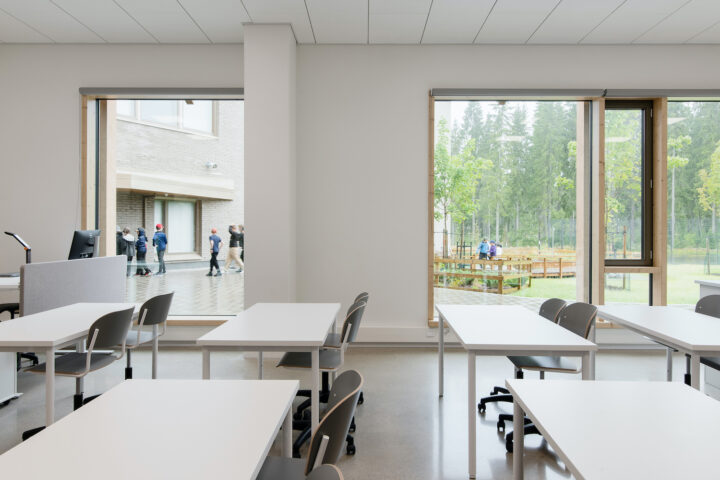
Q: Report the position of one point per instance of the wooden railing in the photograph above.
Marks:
(483, 275)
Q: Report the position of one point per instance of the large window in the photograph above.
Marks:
(188, 115)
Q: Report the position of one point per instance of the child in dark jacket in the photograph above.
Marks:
(141, 248)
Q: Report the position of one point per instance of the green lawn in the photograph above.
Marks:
(682, 288)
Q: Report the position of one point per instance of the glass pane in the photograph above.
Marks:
(159, 212)
(693, 196)
(181, 226)
(164, 112)
(198, 115)
(623, 184)
(125, 108)
(627, 288)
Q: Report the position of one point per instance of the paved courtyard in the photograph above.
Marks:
(448, 295)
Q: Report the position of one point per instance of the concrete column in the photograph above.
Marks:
(270, 216)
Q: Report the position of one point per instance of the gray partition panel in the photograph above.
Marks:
(48, 285)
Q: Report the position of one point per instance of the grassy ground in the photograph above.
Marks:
(682, 288)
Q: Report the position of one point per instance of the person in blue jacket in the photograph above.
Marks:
(160, 242)
(141, 252)
(483, 249)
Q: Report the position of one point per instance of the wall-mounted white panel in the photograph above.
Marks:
(283, 11)
(13, 30)
(165, 20)
(221, 20)
(514, 21)
(632, 19)
(685, 23)
(398, 21)
(572, 20)
(339, 21)
(51, 21)
(106, 19)
(456, 21)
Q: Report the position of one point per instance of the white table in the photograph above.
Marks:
(49, 331)
(9, 293)
(692, 333)
(179, 429)
(620, 430)
(708, 287)
(276, 327)
(504, 330)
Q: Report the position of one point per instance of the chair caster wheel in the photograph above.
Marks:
(351, 449)
(352, 429)
(481, 408)
(361, 399)
(509, 443)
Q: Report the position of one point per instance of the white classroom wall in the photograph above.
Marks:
(361, 191)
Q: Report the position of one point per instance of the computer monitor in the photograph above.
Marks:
(85, 244)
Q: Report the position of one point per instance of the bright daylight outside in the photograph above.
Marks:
(179, 175)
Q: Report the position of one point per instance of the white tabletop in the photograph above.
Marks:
(509, 327)
(708, 283)
(55, 327)
(161, 429)
(625, 430)
(9, 283)
(277, 325)
(675, 326)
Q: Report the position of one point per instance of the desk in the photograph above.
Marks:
(276, 327)
(9, 293)
(505, 330)
(179, 429)
(692, 333)
(620, 430)
(51, 330)
(708, 287)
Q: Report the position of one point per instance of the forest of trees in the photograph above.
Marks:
(506, 172)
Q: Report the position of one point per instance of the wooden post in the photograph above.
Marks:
(500, 284)
(560, 265)
(544, 267)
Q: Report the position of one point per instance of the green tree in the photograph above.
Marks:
(709, 191)
(675, 147)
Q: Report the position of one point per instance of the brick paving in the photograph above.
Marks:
(449, 295)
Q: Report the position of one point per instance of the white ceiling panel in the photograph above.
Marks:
(456, 21)
(514, 21)
(50, 20)
(166, 20)
(283, 11)
(710, 35)
(685, 23)
(632, 19)
(339, 21)
(398, 21)
(13, 30)
(572, 20)
(107, 20)
(221, 20)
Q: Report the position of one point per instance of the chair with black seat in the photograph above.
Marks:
(106, 333)
(579, 318)
(329, 436)
(550, 309)
(153, 312)
(709, 305)
(14, 309)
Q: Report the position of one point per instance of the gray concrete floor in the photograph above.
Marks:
(403, 430)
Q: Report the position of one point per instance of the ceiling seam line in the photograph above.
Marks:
(136, 21)
(28, 25)
(543, 21)
(192, 19)
(426, 21)
(602, 21)
(661, 21)
(242, 2)
(307, 11)
(702, 31)
(78, 21)
(485, 21)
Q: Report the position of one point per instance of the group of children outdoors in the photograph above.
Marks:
(137, 247)
(488, 251)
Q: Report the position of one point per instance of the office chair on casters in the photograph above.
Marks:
(327, 441)
(152, 313)
(709, 305)
(14, 309)
(550, 309)
(106, 333)
(579, 318)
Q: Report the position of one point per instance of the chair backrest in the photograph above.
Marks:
(709, 305)
(352, 321)
(336, 422)
(362, 296)
(325, 472)
(112, 330)
(550, 309)
(157, 309)
(578, 318)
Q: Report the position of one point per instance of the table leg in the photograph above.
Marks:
(260, 365)
(205, 363)
(49, 386)
(315, 394)
(441, 353)
(79, 382)
(472, 418)
(592, 354)
(695, 371)
(518, 441)
(287, 434)
(156, 346)
(587, 370)
(669, 359)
